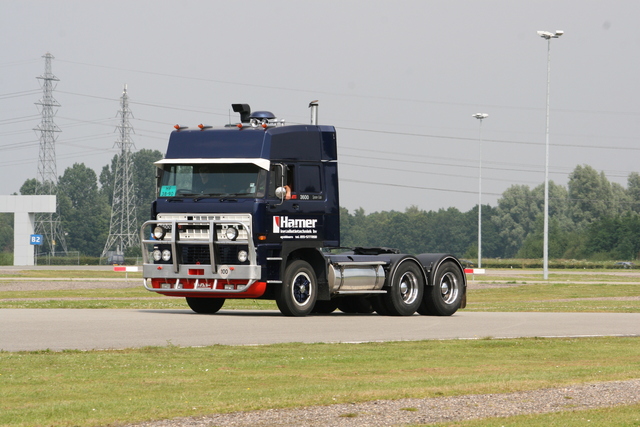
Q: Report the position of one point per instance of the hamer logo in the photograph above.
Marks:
(294, 225)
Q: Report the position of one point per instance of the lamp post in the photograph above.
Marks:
(545, 245)
(480, 116)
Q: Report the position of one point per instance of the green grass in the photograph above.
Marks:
(107, 387)
(524, 276)
(558, 297)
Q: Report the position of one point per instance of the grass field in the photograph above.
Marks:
(104, 387)
(114, 387)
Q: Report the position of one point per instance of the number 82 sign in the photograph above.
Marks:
(36, 239)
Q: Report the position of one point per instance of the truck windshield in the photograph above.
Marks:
(201, 180)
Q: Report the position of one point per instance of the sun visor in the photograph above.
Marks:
(261, 163)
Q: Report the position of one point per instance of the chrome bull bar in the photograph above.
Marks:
(206, 272)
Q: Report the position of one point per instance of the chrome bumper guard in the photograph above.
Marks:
(201, 273)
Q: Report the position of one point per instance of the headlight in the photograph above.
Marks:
(231, 233)
(166, 255)
(159, 232)
(157, 255)
(242, 256)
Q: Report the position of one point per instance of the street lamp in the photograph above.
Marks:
(545, 245)
(480, 116)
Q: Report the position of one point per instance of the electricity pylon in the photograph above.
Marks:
(123, 228)
(48, 224)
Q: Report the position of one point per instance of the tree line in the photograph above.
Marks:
(591, 218)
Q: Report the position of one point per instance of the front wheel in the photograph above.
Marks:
(205, 305)
(445, 296)
(299, 290)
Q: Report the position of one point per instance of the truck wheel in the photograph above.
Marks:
(446, 294)
(405, 293)
(299, 290)
(205, 305)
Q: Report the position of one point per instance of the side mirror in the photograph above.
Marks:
(281, 193)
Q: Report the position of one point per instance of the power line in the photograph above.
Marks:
(416, 187)
(19, 94)
(460, 138)
(387, 98)
(455, 175)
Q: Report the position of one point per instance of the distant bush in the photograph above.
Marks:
(6, 258)
(555, 263)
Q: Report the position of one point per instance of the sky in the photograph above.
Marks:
(400, 80)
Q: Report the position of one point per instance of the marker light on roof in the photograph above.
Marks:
(178, 127)
(239, 125)
(203, 127)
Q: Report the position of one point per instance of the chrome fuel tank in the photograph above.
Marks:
(356, 276)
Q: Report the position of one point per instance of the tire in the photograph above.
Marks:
(325, 307)
(353, 305)
(205, 305)
(445, 296)
(299, 290)
(405, 293)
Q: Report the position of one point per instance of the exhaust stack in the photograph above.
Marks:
(314, 112)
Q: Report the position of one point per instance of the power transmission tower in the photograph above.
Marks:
(123, 229)
(48, 224)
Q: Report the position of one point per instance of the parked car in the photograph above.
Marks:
(116, 259)
(624, 264)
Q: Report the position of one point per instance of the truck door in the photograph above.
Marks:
(299, 208)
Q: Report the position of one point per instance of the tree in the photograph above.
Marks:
(83, 210)
(614, 237)
(144, 179)
(492, 246)
(559, 241)
(6, 232)
(591, 196)
(633, 191)
(515, 217)
(29, 187)
(352, 228)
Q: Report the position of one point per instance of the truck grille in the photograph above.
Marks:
(199, 254)
(195, 254)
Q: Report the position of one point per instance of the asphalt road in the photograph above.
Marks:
(85, 329)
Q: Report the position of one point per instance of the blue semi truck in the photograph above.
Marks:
(251, 210)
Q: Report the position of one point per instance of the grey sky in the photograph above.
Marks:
(400, 80)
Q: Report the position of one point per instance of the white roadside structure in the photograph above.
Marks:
(24, 209)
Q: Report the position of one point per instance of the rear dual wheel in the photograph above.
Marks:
(445, 296)
(405, 292)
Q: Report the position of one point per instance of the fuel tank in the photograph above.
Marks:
(355, 276)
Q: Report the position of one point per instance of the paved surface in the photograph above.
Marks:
(59, 329)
